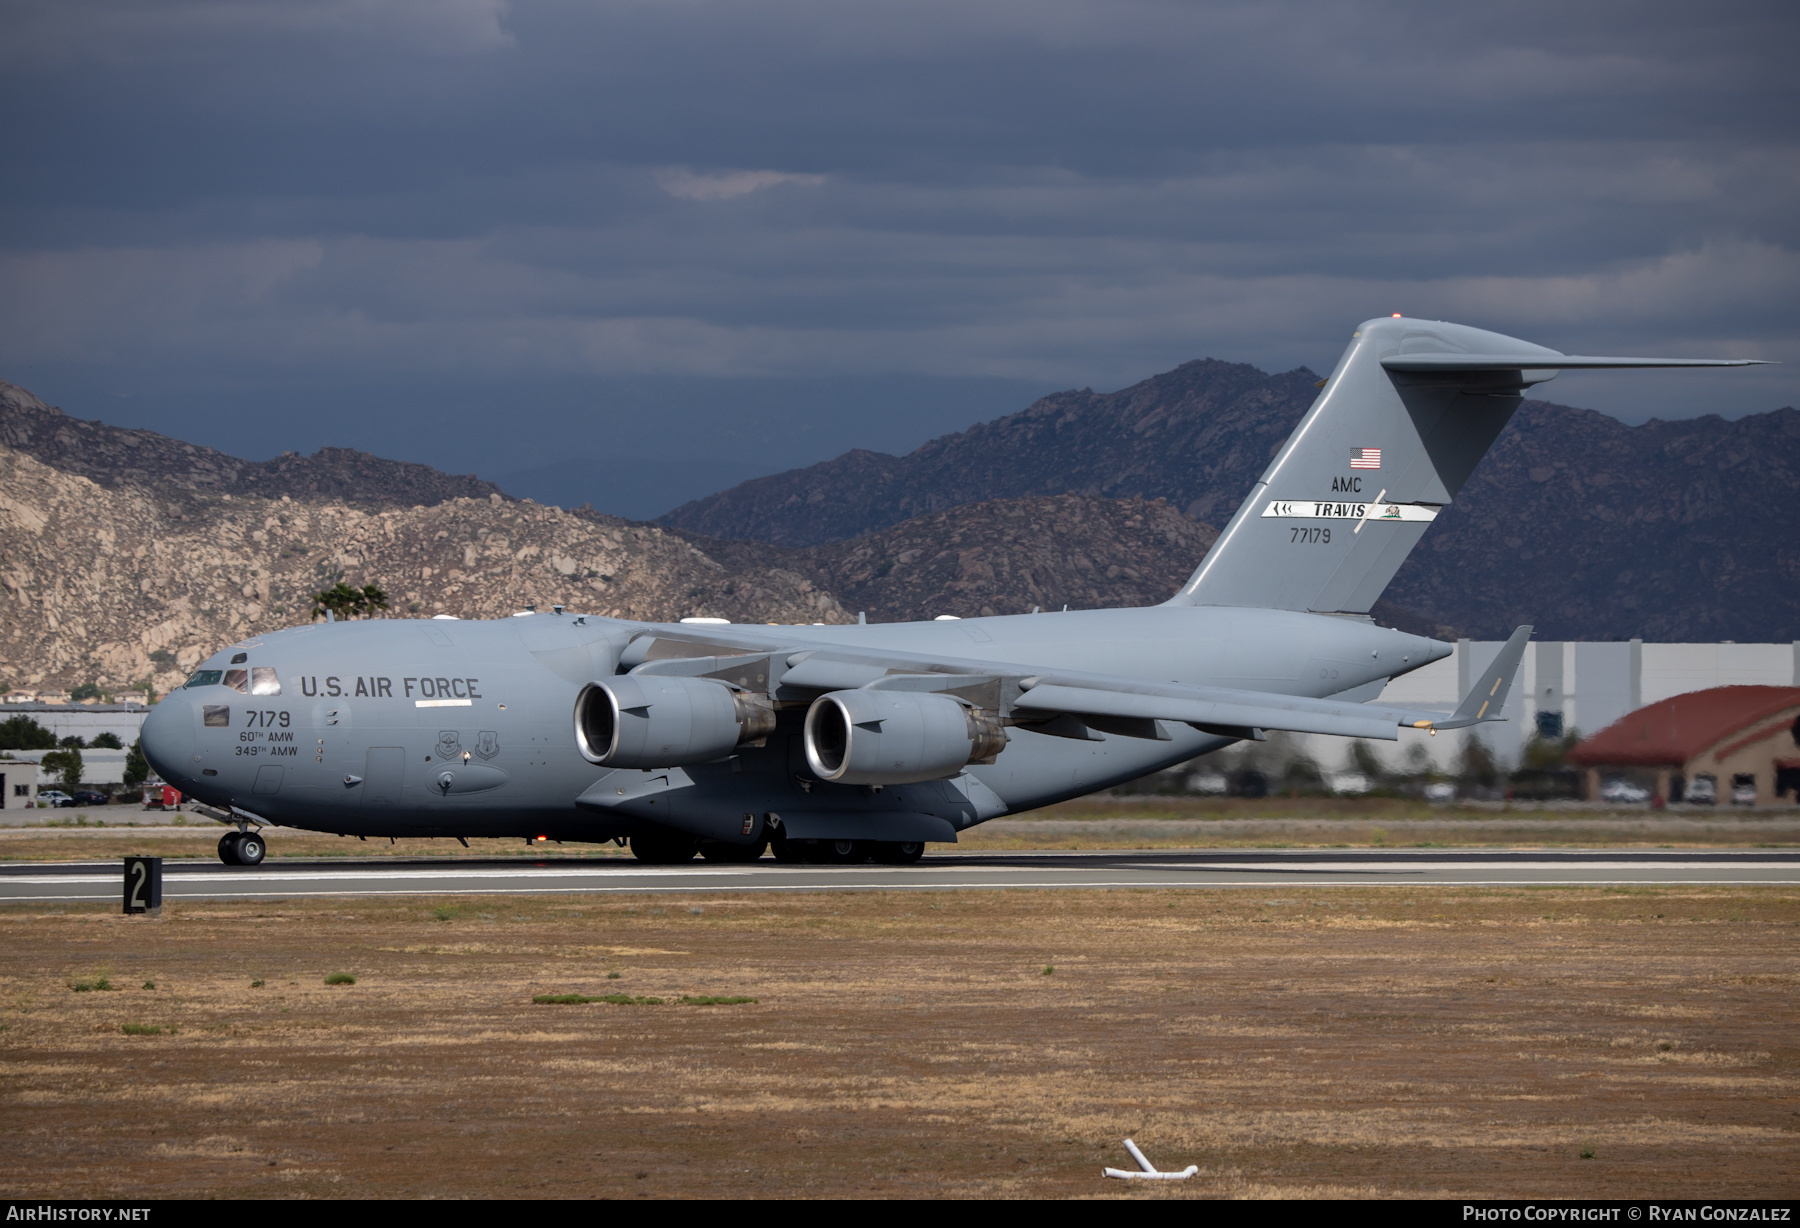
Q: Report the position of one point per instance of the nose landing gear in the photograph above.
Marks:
(242, 848)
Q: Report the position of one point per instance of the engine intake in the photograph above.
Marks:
(896, 737)
(651, 722)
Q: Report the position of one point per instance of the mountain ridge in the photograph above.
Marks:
(115, 456)
(1227, 419)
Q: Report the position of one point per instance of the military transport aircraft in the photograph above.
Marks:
(850, 743)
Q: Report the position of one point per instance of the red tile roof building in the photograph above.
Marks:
(1741, 737)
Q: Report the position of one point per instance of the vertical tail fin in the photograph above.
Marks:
(1408, 413)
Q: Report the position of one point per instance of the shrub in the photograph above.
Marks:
(98, 983)
(340, 978)
(140, 1029)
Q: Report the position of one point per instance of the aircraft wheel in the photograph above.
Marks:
(843, 852)
(664, 850)
(714, 850)
(899, 853)
(251, 849)
(228, 849)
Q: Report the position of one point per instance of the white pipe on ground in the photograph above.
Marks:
(1148, 1170)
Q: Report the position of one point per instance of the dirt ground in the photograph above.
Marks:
(1618, 1043)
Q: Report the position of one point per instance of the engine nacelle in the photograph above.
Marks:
(652, 721)
(896, 737)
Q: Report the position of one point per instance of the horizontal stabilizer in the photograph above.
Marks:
(1547, 362)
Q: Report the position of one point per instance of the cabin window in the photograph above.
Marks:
(238, 680)
(205, 677)
(263, 681)
(216, 716)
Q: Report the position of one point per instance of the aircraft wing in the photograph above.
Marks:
(1245, 713)
(1030, 696)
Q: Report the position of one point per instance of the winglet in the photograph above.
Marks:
(1490, 690)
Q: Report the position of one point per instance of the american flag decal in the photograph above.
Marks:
(1366, 458)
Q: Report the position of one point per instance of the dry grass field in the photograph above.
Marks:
(1380, 1042)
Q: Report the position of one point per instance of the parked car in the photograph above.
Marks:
(87, 797)
(1440, 791)
(1703, 791)
(1623, 791)
(54, 797)
(1743, 791)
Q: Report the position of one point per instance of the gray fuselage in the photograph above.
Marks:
(465, 728)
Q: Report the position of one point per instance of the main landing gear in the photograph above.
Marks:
(242, 848)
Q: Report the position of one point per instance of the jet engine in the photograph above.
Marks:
(896, 737)
(651, 722)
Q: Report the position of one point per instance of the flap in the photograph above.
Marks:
(1271, 712)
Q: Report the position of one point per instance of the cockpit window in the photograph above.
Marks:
(204, 677)
(238, 680)
(263, 681)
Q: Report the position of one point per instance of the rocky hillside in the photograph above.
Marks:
(1000, 557)
(1587, 527)
(117, 457)
(126, 584)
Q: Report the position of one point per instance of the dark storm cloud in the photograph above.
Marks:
(369, 193)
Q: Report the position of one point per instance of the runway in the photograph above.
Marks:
(203, 880)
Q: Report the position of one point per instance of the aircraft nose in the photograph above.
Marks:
(167, 737)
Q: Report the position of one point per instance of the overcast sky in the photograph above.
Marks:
(657, 245)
